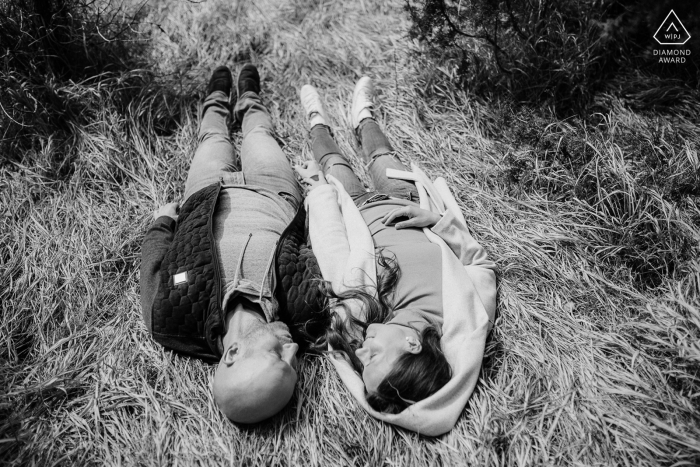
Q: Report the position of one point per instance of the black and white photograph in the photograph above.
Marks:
(368, 233)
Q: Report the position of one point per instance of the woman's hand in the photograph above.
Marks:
(311, 174)
(417, 217)
(171, 210)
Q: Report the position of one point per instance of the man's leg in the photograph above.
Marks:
(262, 160)
(380, 155)
(327, 154)
(214, 153)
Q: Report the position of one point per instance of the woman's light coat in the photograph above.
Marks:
(344, 248)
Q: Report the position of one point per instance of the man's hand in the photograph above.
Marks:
(311, 174)
(417, 217)
(171, 210)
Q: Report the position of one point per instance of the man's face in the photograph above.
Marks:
(272, 339)
(257, 374)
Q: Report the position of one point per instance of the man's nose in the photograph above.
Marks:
(289, 352)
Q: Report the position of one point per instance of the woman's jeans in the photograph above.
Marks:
(376, 152)
(263, 162)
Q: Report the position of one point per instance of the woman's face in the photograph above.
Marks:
(383, 345)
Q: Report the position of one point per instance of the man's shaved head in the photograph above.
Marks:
(256, 376)
(256, 390)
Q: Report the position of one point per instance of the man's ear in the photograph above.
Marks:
(230, 354)
(414, 345)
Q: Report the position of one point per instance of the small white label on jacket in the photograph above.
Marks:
(180, 278)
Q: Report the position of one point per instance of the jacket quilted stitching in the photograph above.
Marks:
(188, 318)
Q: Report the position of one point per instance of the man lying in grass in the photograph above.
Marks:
(207, 271)
(416, 293)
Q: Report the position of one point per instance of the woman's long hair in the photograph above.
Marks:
(414, 376)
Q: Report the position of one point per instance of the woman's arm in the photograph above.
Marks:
(329, 239)
(340, 238)
(330, 243)
(445, 225)
(480, 268)
(461, 242)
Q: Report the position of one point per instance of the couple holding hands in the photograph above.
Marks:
(388, 283)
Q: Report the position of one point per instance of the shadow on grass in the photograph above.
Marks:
(68, 61)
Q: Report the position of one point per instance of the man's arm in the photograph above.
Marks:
(155, 245)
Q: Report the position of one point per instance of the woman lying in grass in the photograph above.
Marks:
(414, 292)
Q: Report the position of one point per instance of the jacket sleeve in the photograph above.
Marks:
(329, 238)
(460, 241)
(331, 245)
(480, 268)
(155, 245)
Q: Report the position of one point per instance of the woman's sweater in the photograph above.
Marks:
(345, 251)
(419, 288)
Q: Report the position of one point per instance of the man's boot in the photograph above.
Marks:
(248, 81)
(221, 80)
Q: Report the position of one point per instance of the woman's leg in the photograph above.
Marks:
(214, 153)
(380, 155)
(327, 154)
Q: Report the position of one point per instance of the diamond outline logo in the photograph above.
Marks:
(674, 20)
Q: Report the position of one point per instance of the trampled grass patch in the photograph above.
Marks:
(594, 357)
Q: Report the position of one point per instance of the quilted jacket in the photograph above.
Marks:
(181, 288)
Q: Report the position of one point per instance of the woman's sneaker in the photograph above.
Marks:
(362, 101)
(311, 101)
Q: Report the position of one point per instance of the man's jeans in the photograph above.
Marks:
(377, 153)
(263, 162)
(255, 204)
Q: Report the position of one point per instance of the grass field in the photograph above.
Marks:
(595, 354)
